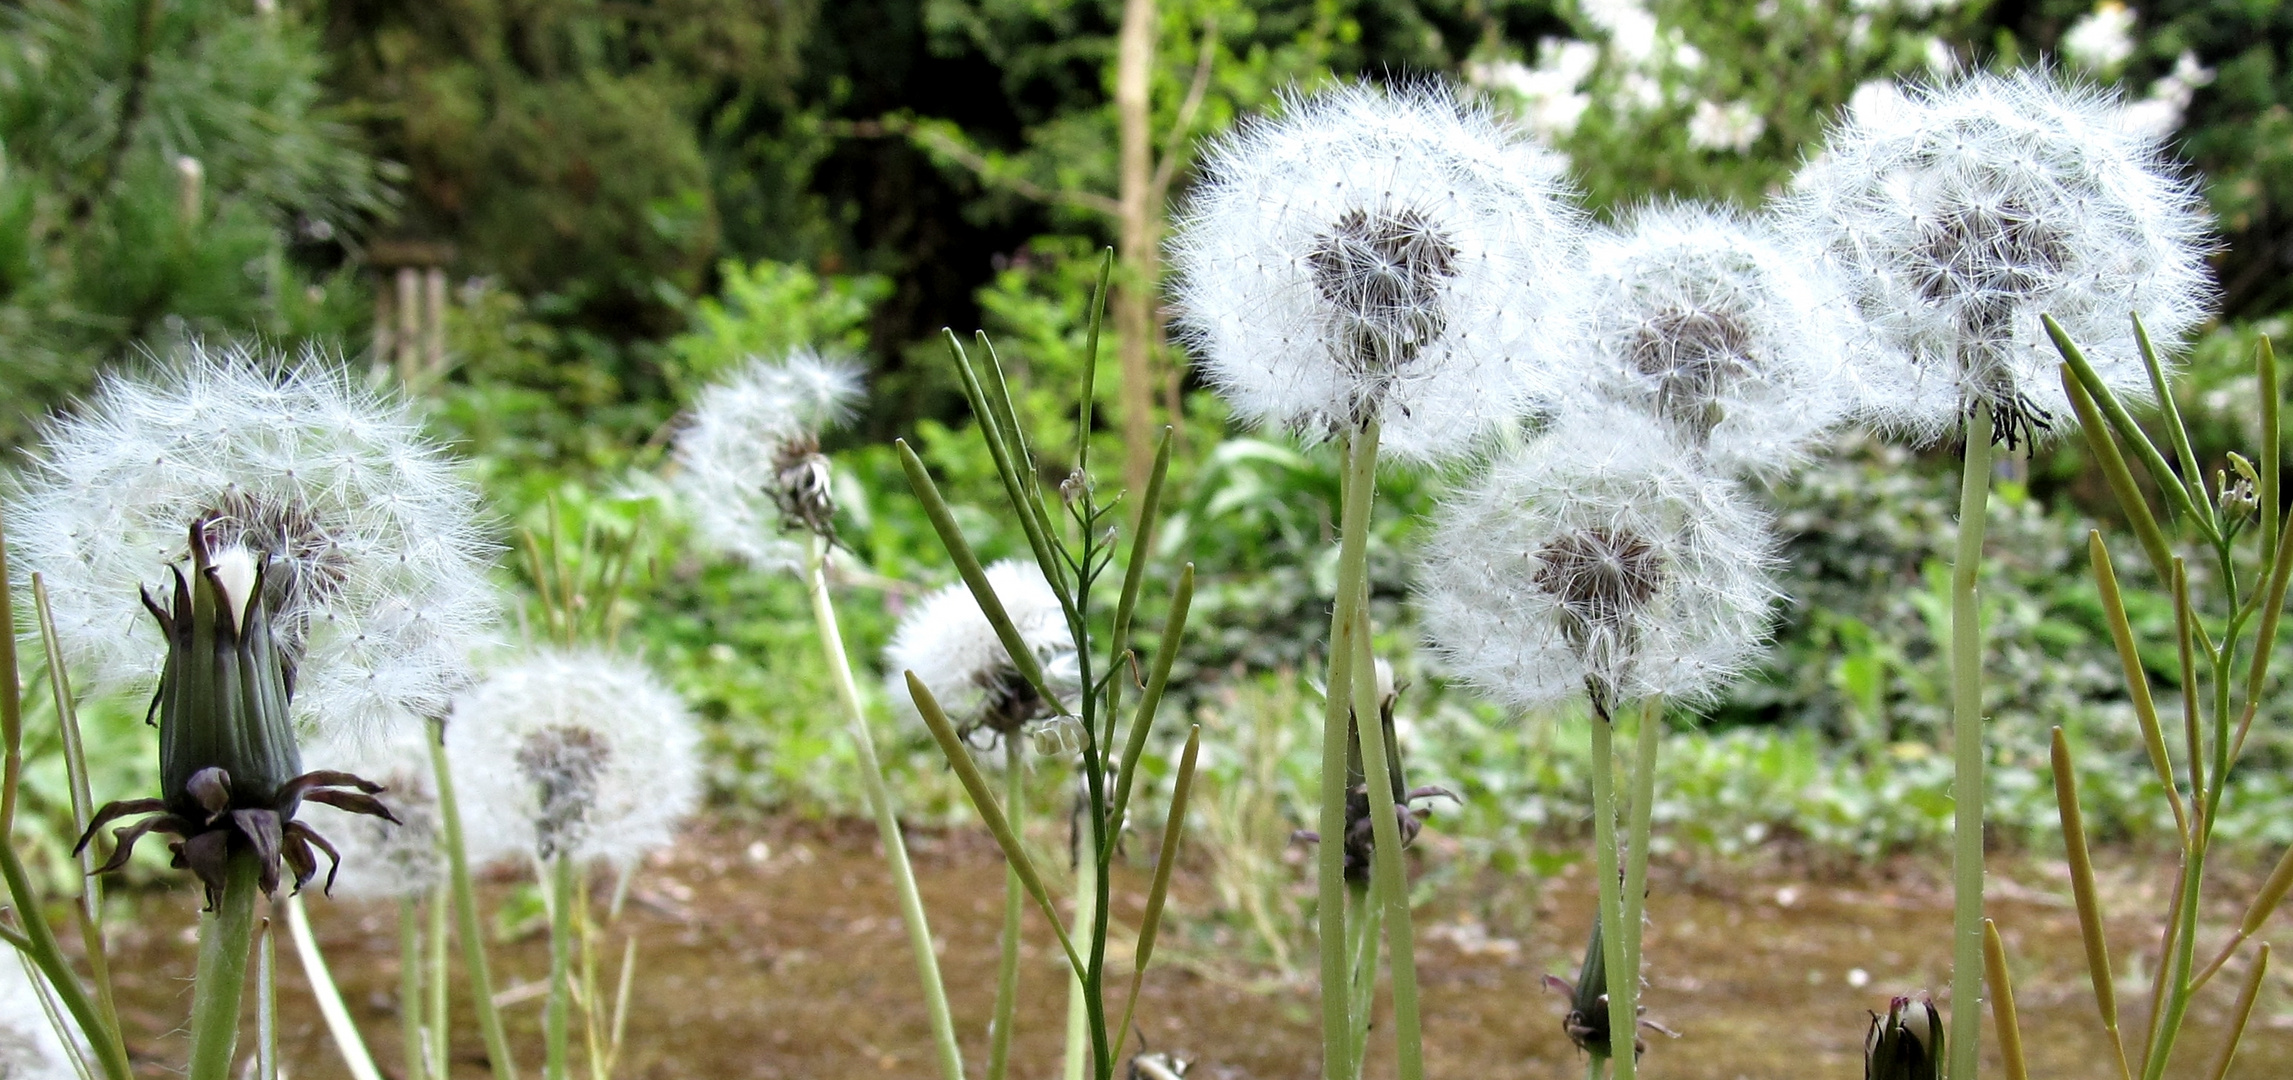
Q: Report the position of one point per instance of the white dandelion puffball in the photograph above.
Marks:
(1597, 556)
(749, 467)
(30, 1048)
(949, 644)
(1958, 214)
(374, 529)
(1388, 254)
(379, 859)
(577, 753)
(1705, 321)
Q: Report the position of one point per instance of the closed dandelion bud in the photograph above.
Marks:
(1596, 559)
(1707, 322)
(1387, 254)
(947, 642)
(1361, 834)
(750, 470)
(1905, 1044)
(573, 753)
(1956, 215)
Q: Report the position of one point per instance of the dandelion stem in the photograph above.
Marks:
(441, 992)
(330, 1005)
(1967, 748)
(1078, 1060)
(467, 924)
(267, 1002)
(562, 873)
(887, 820)
(1014, 899)
(1385, 830)
(1363, 927)
(1639, 824)
(225, 937)
(410, 997)
(1360, 491)
(1623, 1027)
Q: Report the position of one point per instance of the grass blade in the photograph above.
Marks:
(83, 804)
(2265, 634)
(1018, 477)
(2131, 501)
(1091, 365)
(2272, 433)
(1173, 631)
(2082, 892)
(2177, 496)
(2176, 432)
(2137, 676)
(2257, 914)
(2241, 1012)
(331, 1008)
(2002, 1003)
(2183, 618)
(1142, 543)
(1173, 827)
(975, 576)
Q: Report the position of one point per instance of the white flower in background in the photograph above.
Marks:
(948, 643)
(1733, 127)
(1957, 215)
(578, 753)
(2160, 114)
(1379, 253)
(1706, 322)
(381, 859)
(380, 558)
(1551, 100)
(750, 471)
(2103, 38)
(1941, 58)
(1630, 26)
(1596, 559)
(30, 1048)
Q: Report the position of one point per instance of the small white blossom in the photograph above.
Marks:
(2103, 38)
(1958, 215)
(1550, 96)
(1630, 26)
(1941, 58)
(948, 643)
(2160, 113)
(30, 1047)
(1596, 558)
(374, 530)
(578, 753)
(1374, 253)
(1708, 323)
(749, 468)
(1733, 127)
(382, 859)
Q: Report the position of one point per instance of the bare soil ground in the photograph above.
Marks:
(774, 950)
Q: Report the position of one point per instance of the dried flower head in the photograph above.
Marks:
(374, 550)
(380, 859)
(1707, 322)
(1959, 214)
(750, 468)
(1379, 253)
(1596, 558)
(574, 753)
(30, 1047)
(949, 644)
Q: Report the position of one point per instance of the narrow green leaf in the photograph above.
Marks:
(2104, 447)
(2177, 433)
(2272, 432)
(83, 805)
(1142, 543)
(2177, 496)
(2272, 893)
(2137, 677)
(1017, 479)
(1173, 631)
(990, 812)
(2184, 617)
(1091, 361)
(974, 575)
(997, 390)
(1173, 827)
(2082, 893)
(2242, 1012)
(2002, 1012)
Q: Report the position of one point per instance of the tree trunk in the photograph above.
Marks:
(1141, 236)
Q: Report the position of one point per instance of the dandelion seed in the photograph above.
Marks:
(1379, 254)
(1596, 558)
(1710, 324)
(750, 468)
(370, 533)
(573, 753)
(382, 860)
(948, 643)
(1959, 214)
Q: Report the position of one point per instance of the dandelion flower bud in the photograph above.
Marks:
(1707, 322)
(750, 468)
(1596, 558)
(1959, 214)
(382, 860)
(1906, 1044)
(1387, 254)
(30, 1048)
(573, 753)
(948, 643)
(369, 533)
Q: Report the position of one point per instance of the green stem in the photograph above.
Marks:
(467, 924)
(1623, 1026)
(330, 1005)
(2179, 961)
(887, 819)
(410, 988)
(1640, 816)
(1014, 900)
(1360, 491)
(441, 1031)
(225, 935)
(267, 1003)
(557, 1018)
(1079, 1045)
(1386, 854)
(1967, 750)
(1362, 928)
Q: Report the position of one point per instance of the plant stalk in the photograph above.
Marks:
(226, 935)
(438, 1023)
(887, 820)
(412, 1046)
(1640, 823)
(557, 1018)
(1623, 981)
(1360, 491)
(1014, 900)
(466, 921)
(1077, 1063)
(1967, 750)
(1385, 829)
(330, 1005)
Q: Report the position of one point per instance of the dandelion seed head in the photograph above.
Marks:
(1387, 253)
(1597, 556)
(380, 859)
(370, 534)
(573, 752)
(750, 470)
(1711, 324)
(1959, 213)
(948, 643)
